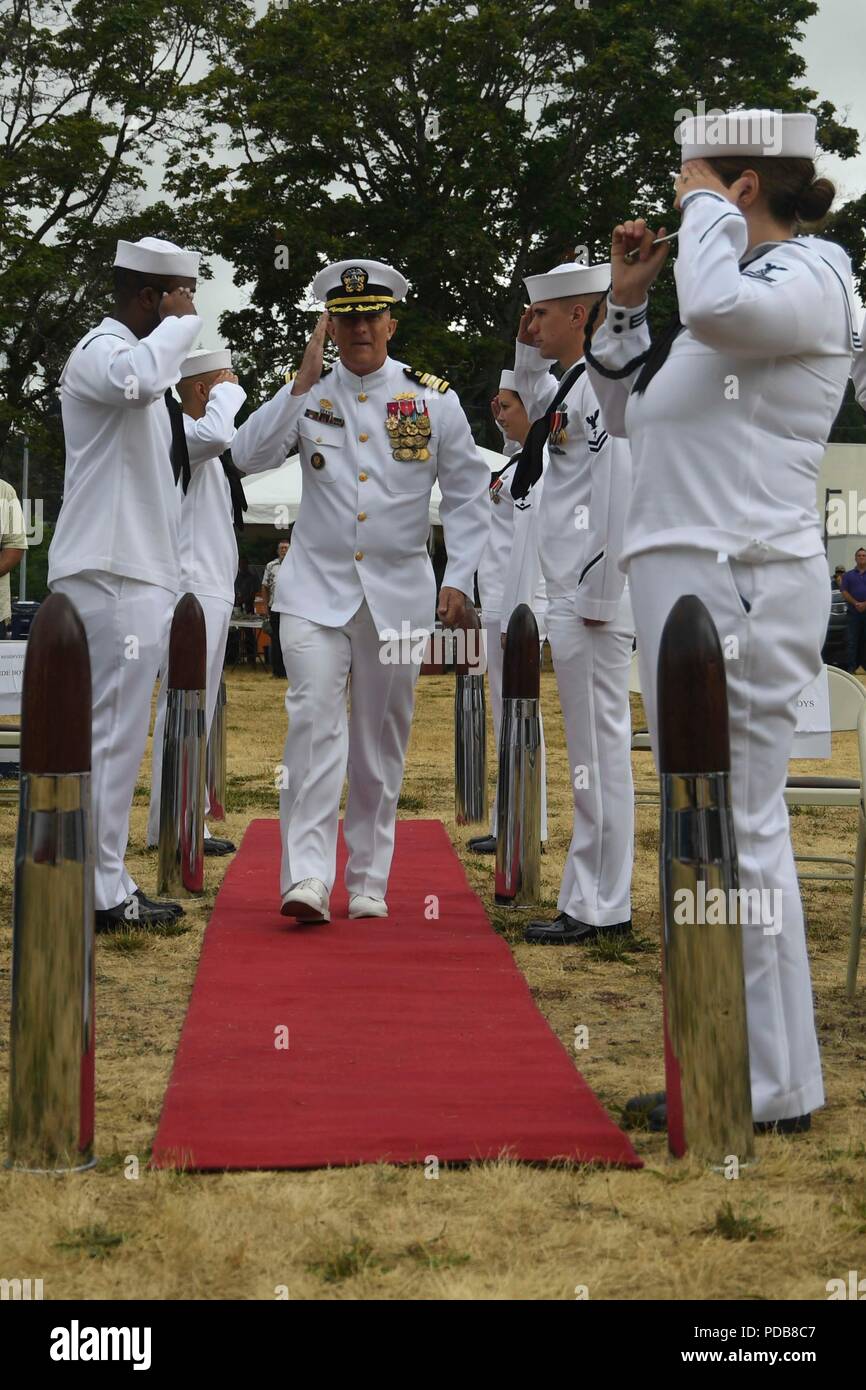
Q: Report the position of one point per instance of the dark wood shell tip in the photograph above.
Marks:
(187, 649)
(692, 692)
(56, 707)
(521, 660)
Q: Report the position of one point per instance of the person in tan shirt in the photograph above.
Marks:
(13, 543)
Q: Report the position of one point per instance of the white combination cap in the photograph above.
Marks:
(508, 382)
(359, 287)
(206, 360)
(760, 134)
(565, 281)
(156, 257)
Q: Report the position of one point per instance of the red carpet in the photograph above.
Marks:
(408, 1037)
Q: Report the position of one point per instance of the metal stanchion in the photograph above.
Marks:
(52, 1047)
(470, 726)
(184, 757)
(709, 1103)
(216, 758)
(518, 806)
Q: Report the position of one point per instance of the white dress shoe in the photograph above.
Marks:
(308, 901)
(361, 906)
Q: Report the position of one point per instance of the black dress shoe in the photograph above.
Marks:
(158, 904)
(565, 930)
(483, 844)
(651, 1112)
(214, 845)
(795, 1124)
(132, 912)
(648, 1111)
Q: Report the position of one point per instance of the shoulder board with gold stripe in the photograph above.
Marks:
(436, 383)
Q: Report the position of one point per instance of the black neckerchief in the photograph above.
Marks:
(530, 460)
(239, 501)
(179, 450)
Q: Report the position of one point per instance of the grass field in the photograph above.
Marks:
(787, 1225)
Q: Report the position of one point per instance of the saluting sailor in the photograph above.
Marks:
(589, 622)
(509, 573)
(373, 435)
(115, 548)
(728, 416)
(211, 514)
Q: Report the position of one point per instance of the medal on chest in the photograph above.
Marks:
(558, 430)
(408, 426)
(495, 489)
(325, 414)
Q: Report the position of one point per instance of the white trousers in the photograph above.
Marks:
(495, 654)
(126, 622)
(217, 615)
(324, 743)
(779, 644)
(592, 669)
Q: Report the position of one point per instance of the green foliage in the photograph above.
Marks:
(470, 145)
(91, 93)
(553, 123)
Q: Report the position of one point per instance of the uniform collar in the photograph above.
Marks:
(365, 383)
(110, 325)
(755, 252)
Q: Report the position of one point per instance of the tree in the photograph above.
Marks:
(469, 145)
(90, 93)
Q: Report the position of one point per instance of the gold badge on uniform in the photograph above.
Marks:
(317, 460)
(408, 426)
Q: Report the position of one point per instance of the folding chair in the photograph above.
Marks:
(847, 712)
(645, 793)
(11, 664)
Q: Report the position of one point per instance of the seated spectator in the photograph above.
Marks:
(13, 543)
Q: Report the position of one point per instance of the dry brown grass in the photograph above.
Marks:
(493, 1231)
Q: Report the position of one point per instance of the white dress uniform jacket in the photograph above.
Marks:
(586, 493)
(362, 527)
(121, 506)
(763, 363)
(727, 441)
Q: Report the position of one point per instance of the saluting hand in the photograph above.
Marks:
(523, 333)
(225, 375)
(177, 303)
(630, 280)
(314, 358)
(697, 173)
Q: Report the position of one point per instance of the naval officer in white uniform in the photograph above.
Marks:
(728, 417)
(589, 621)
(115, 548)
(212, 514)
(373, 435)
(509, 574)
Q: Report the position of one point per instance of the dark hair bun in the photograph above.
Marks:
(815, 200)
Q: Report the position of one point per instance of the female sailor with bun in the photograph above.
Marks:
(728, 414)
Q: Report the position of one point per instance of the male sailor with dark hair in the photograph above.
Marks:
(115, 547)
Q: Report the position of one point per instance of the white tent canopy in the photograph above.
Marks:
(274, 497)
